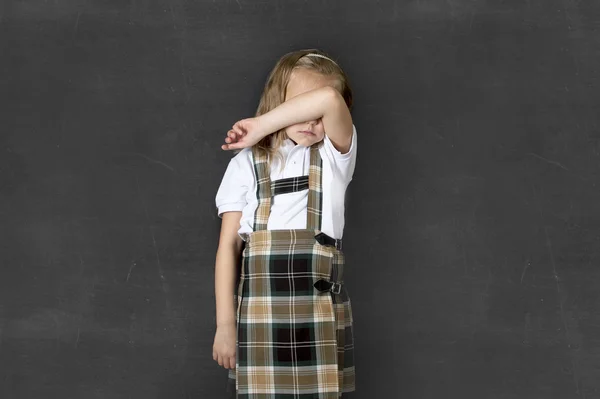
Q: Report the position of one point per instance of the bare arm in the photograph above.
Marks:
(326, 103)
(228, 255)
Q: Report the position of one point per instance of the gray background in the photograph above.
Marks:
(473, 221)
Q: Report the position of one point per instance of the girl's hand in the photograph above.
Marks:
(244, 133)
(224, 345)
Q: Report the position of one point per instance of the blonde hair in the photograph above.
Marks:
(274, 91)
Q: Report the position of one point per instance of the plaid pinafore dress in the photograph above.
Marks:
(294, 317)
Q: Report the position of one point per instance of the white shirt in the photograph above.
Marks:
(237, 191)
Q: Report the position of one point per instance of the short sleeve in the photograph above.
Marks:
(231, 195)
(345, 163)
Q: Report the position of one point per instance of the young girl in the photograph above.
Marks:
(289, 331)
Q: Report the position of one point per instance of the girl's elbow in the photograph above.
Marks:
(230, 244)
(333, 95)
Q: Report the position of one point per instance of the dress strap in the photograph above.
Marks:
(315, 189)
(289, 185)
(265, 191)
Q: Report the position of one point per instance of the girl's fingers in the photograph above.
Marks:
(233, 138)
(238, 129)
(229, 147)
(227, 362)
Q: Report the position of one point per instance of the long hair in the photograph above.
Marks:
(274, 91)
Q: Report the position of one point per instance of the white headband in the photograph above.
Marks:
(322, 56)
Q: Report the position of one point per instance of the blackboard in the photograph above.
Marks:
(473, 221)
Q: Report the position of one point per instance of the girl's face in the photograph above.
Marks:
(303, 80)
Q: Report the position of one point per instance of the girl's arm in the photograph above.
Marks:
(325, 103)
(228, 254)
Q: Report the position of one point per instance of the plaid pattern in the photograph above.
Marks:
(289, 185)
(293, 341)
